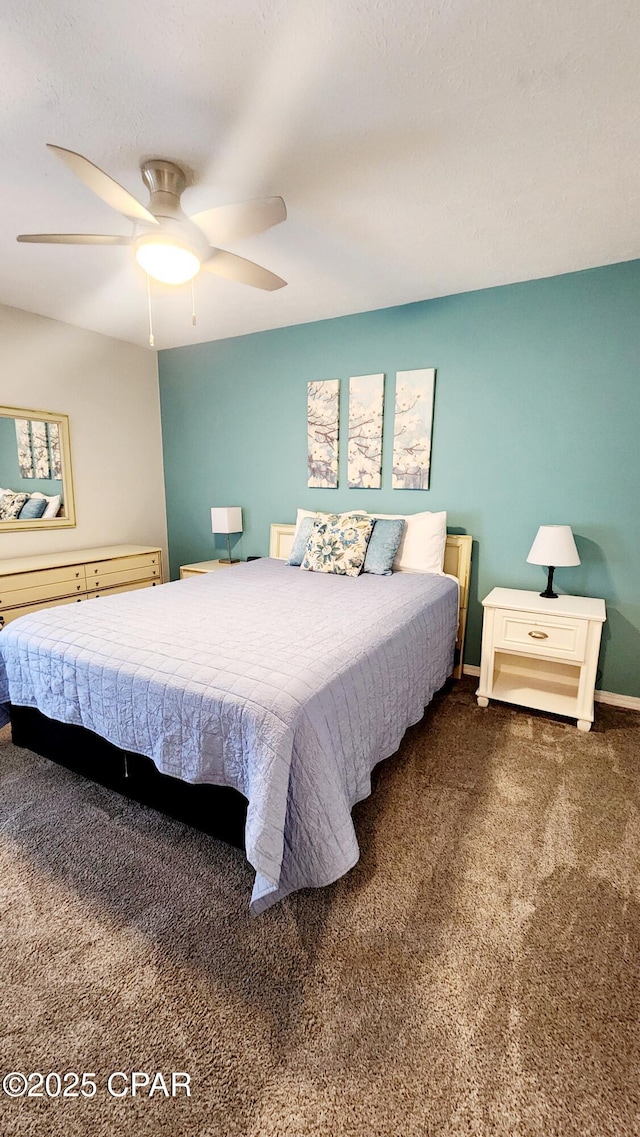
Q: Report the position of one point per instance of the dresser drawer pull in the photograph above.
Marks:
(77, 574)
(538, 635)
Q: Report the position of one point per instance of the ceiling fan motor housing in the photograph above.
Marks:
(165, 182)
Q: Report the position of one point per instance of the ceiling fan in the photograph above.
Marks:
(170, 246)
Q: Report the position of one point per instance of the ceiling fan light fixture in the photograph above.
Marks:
(167, 259)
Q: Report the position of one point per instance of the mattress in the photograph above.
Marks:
(288, 686)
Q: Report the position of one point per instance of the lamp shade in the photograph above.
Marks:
(554, 545)
(226, 519)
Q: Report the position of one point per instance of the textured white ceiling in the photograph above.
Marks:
(423, 148)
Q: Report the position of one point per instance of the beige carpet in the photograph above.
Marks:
(477, 973)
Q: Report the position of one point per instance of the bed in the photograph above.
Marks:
(284, 687)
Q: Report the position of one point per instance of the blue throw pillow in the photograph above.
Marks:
(33, 508)
(383, 546)
(303, 533)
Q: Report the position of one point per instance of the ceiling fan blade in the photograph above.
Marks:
(227, 223)
(73, 239)
(115, 195)
(243, 271)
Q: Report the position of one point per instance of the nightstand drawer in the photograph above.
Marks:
(558, 637)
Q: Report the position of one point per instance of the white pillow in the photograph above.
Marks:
(423, 541)
(53, 504)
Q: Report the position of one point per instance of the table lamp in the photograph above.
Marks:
(226, 519)
(554, 547)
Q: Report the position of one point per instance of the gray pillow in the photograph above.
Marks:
(303, 533)
(383, 546)
(33, 508)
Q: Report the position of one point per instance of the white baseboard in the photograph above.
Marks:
(629, 702)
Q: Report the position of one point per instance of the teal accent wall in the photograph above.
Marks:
(537, 421)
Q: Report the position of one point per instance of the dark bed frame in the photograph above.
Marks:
(217, 810)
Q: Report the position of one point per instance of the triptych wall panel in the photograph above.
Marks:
(323, 425)
(366, 401)
(412, 431)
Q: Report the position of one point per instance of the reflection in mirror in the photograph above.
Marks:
(36, 490)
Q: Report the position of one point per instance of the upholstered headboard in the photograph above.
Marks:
(457, 562)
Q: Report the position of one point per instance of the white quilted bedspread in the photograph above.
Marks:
(287, 685)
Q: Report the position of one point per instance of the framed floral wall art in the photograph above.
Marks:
(412, 429)
(323, 418)
(366, 402)
(38, 449)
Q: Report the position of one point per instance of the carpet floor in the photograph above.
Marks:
(478, 972)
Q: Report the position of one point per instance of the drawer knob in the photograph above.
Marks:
(538, 635)
(78, 587)
(95, 570)
(77, 574)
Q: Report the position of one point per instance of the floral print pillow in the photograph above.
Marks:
(11, 504)
(338, 544)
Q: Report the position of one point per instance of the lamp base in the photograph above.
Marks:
(548, 593)
(229, 560)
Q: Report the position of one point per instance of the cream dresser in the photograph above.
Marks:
(30, 583)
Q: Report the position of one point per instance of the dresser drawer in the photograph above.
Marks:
(19, 581)
(129, 575)
(122, 588)
(9, 614)
(558, 637)
(41, 592)
(123, 564)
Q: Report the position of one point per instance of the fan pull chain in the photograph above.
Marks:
(193, 304)
(151, 339)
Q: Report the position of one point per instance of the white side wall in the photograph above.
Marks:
(109, 390)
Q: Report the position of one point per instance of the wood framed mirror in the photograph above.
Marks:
(35, 470)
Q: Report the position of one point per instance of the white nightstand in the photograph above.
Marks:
(541, 653)
(204, 566)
